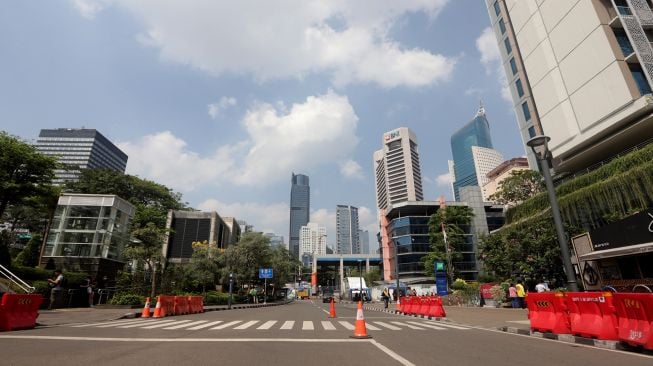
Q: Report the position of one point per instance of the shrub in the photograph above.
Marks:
(459, 284)
(127, 299)
(216, 298)
(498, 293)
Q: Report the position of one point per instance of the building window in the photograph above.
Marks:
(513, 66)
(527, 112)
(497, 9)
(506, 42)
(531, 131)
(624, 42)
(502, 26)
(520, 89)
(622, 7)
(640, 79)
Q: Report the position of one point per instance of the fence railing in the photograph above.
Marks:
(13, 279)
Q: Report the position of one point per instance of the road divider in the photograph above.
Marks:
(19, 311)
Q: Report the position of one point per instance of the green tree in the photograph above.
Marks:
(24, 172)
(29, 256)
(446, 245)
(203, 264)
(146, 247)
(519, 186)
(284, 265)
(245, 258)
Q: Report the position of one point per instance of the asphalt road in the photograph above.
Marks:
(296, 334)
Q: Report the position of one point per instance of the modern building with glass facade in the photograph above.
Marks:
(580, 72)
(186, 227)
(397, 169)
(347, 240)
(364, 239)
(473, 155)
(300, 205)
(88, 233)
(312, 242)
(80, 148)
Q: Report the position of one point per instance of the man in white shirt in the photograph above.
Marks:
(542, 287)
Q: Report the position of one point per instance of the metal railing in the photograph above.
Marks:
(13, 279)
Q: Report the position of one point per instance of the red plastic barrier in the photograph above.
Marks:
(168, 305)
(436, 309)
(547, 312)
(423, 306)
(635, 318)
(195, 304)
(180, 305)
(409, 305)
(592, 314)
(19, 311)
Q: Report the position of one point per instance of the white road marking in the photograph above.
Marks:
(371, 327)
(287, 325)
(391, 353)
(205, 325)
(226, 325)
(164, 325)
(106, 323)
(246, 325)
(346, 325)
(186, 325)
(267, 325)
(328, 325)
(308, 325)
(447, 325)
(144, 323)
(428, 326)
(407, 325)
(386, 325)
(115, 324)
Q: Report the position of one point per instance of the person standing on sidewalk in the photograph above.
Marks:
(57, 288)
(87, 286)
(542, 287)
(512, 294)
(521, 294)
(385, 296)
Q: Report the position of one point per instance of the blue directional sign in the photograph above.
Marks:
(265, 273)
(440, 278)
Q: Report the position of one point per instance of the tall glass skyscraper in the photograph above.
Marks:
(347, 239)
(80, 148)
(474, 133)
(300, 204)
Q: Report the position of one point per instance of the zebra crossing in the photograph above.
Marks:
(263, 325)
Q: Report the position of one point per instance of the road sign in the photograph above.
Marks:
(265, 273)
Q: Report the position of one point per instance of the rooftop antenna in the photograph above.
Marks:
(481, 108)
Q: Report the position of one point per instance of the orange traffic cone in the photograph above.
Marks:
(332, 312)
(157, 310)
(360, 331)
(398, 304)
(146, 309)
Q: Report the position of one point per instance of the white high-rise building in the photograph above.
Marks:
(312, 241)
(580, 72)
(484, 161)
(397, 169)
(364, 239)
(347, 239)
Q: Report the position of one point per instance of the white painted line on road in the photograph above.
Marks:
(267, 325)
(288, 325)
(327, 325)
(386, 325)
(139, 324)
(407, 325)
(185, 340)
(205, 325)
(165, 325)
(185, 325)
(428, 326)
(446, 325)
(308, 325)
(371, 327)
(347, 325)
(226, 325)
(115, 324)
(246, 325)
(105, 323)
(391, 353)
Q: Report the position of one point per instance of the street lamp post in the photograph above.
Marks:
(231, 283)
(360, 280)
(539, 145)
(397, 292)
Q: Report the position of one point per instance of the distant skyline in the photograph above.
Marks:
(222, 101)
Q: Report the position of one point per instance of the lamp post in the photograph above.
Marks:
(231, 283)
(539, 145)
(397, 292)
(360, 279)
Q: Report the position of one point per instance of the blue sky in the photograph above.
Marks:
(222, 100)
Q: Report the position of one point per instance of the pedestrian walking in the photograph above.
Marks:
(385, 296)
(56, 284)
(521, 294)
(87, 285)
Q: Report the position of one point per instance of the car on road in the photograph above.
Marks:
(327, 296)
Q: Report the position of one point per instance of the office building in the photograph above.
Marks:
(275, 240)
(364, 239)
(501, 172)
(580, 72)
(300, 204)
(186, 227)
(88, 233)
(234, 230)
(397, 169)
(312, 241)
(473, 155)
(80, 148)
(347, 240)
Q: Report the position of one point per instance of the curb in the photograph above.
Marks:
(569, 338)
(389, 311)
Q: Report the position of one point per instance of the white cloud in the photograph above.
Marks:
(88, 8)
(351, 169)
(350, 40)
(487, 45)
(443, 180)
(278, 142)
(215, 109)
(270, 218)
